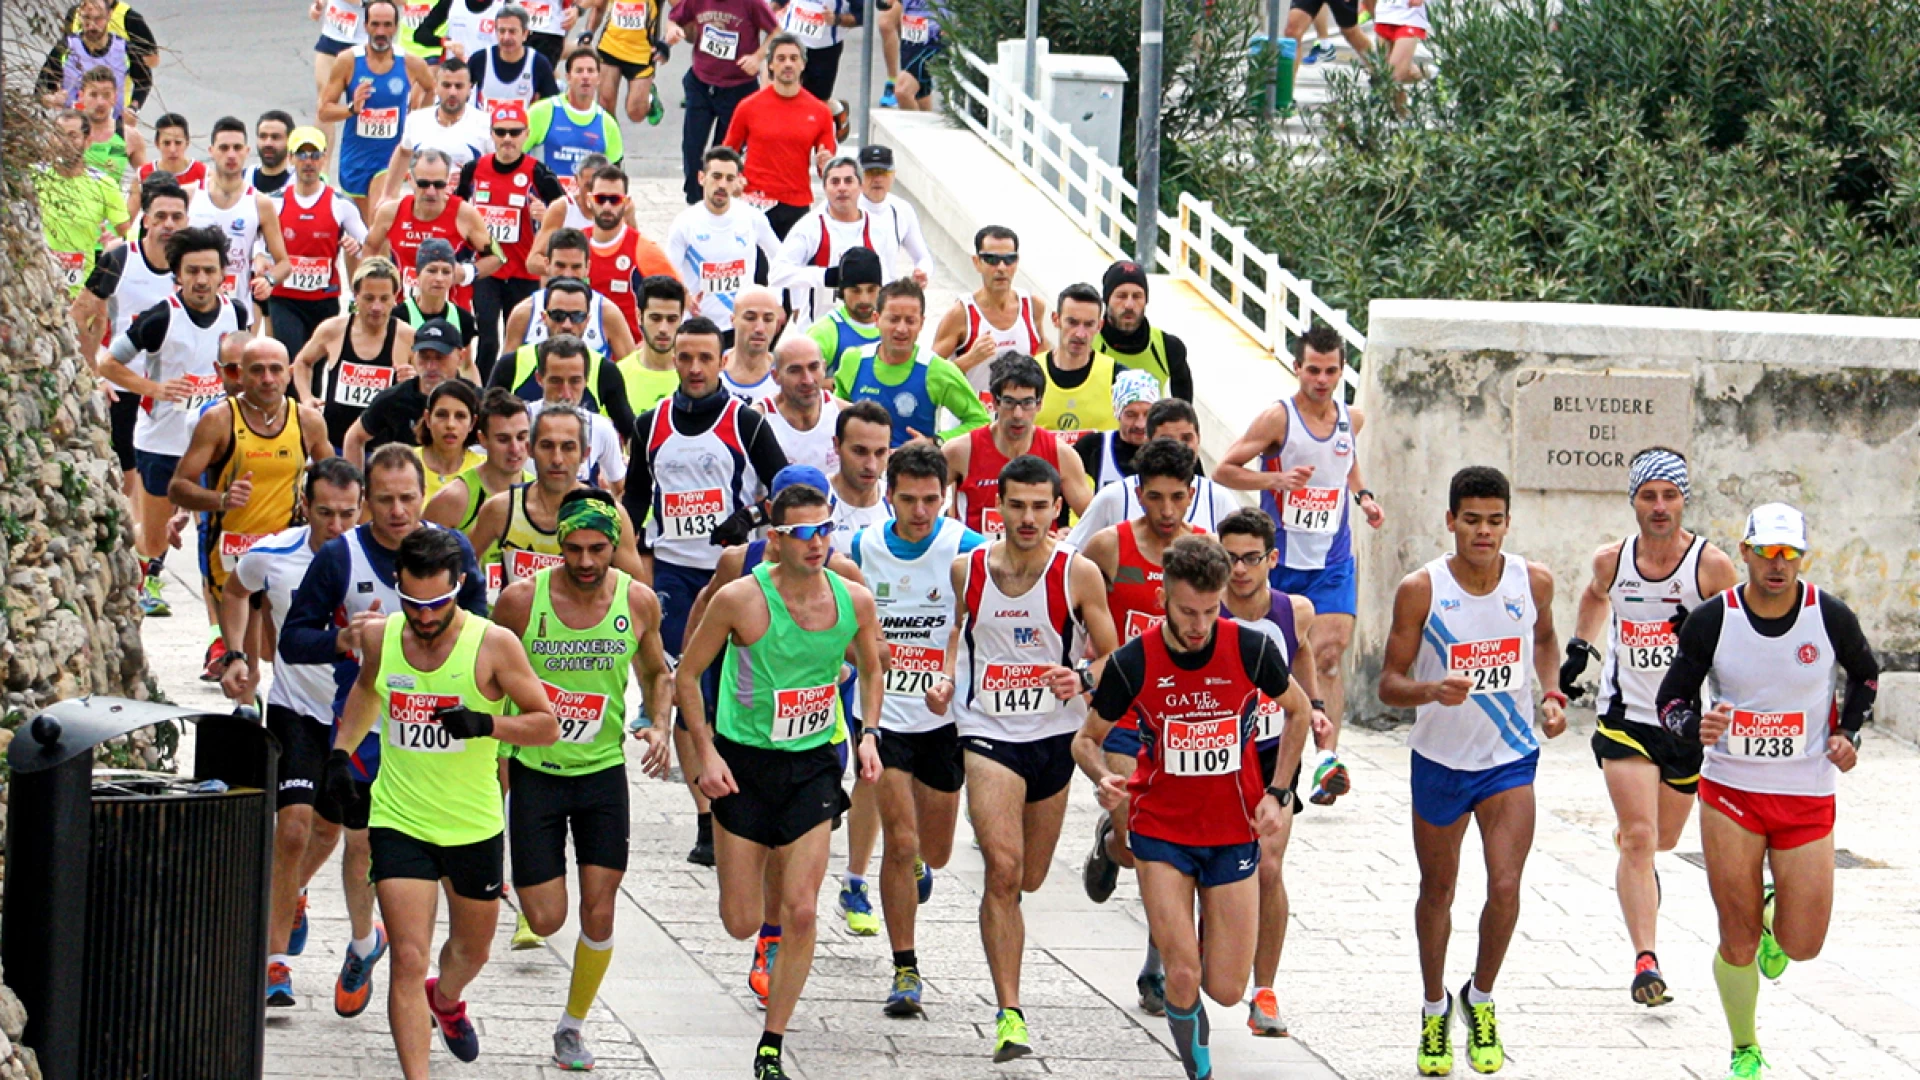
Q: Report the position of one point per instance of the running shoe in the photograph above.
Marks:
(702, 853)
(887, 100)
(523, 936)
(760, 977)
(1321, 50)
(1009, 1037)
(1484, 1051)
(1263, 1015)
(1747, 1064)
(152, 604)
(766, 1065)
(1100, 874)
(297, 941)
(905, 998)
(354, 988)
(570, 1051)
(656, 112)
(858, 909)
(455, 1029)
(1649, 988)
(923, 879)
(1435, 1056)
(842, 121)
(1773, 959)
(214, 652)
(279, 986)
(1330, 781)
(1153, 994)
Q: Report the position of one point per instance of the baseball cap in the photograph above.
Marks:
(509, 112)
(432, 250)
(859, 266)
(805, 475)
(876, 157)
(307, 136)
(436, 335)
(1776, 523)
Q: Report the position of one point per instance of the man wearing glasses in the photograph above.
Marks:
(318, 224)
(996, 317)
(568, 308)
(429, 213)
(1774, 648)
(1016, 392)
(508, 189)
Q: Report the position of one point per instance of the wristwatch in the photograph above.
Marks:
(1085, 671)
(1317, 704)
(1284, 796)
(1852, 737)
(226, 659)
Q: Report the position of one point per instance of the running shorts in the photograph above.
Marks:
(473, 870)
(629, 69)
(914, 58)
(1125, 741)
(545, 808)
(121, 416)
(1346, 13)
(1441, 795)
(327, 46)
(1220, 864)
(304, 745)
(931, 757)
(1400, 33)
(1332, 589)
(1678, 759)
(784, 794)
(156, 471)
(1045, 764)
(1787, 821)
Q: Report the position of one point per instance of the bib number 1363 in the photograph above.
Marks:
(1493, 665)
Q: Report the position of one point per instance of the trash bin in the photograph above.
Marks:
(135, 929)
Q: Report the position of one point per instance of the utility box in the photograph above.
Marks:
(1086, 93)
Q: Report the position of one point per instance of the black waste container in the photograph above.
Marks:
(135, 928)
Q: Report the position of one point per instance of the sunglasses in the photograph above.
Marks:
(1250, 559)
(1017, 404)
(1776, 551)
(508, 133)
(567, 316)
(806, 532)
(430, 185)
(434, 604)
(609, 200)
(309, 155)
(998, 260)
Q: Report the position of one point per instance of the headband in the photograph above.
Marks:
(1657, 465)
(1132, 386)
(596, 514)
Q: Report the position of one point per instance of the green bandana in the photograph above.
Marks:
(596, 514)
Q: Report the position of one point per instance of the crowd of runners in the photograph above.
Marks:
(854, 562)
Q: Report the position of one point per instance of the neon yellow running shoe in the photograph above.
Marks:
(1484, 1051)
(1436, 1043)
(1773, 959)
(1747, 1064)
(1009, 1036)
(523, 935)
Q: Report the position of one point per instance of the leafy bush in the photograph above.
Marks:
(1734, 154)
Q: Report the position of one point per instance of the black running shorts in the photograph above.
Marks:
(1045, 764)
(1346, 13)
(1678, 759)
(472, 869)
(304, 745)
(931, 757)
(783, 794)
(544, 808)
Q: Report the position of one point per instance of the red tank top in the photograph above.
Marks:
(1198, 778)
(1133, 596)
(409, 232)
(505, 199)
(980, 488)
(611, 268)
(312, 236)
(192, 178)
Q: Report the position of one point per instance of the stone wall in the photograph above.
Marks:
(1818, 411)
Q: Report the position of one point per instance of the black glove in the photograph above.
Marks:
(336, 780)
(1679, 616)
(463, 723)
(737, 529)
(1682, 719)
(1576, 664)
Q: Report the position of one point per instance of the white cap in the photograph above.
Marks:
(1776, 523)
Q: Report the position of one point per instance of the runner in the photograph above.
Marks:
(562, 370)
(747, 369)
(448, 125)
(1079, 378)
(506, 433)
(1169, 418)
(351, 358)
(393, 416)
(1017, 389)
(242, 215)
(449, 439)
(589, 625)
(270, 135)
(605, 328)
(439, 680)
(912, 385)
(852, 324)
(548, 24)
(1472, 637)
(1641, 589)
(715, 242)
(431, 213)
(1247, 535)
(1132, 341)
(115, 148)
(619, 256)
(1346, 13)
(371, 87)
(1202, 799)
(505, 188)
(803, 415)
(1404, 23)
(729, 39)
(461, 28)
(1025, 611)
(887, 14)
(767, 764)
(317, 226)
(785, 133)
(1107, 456)
(78, 206)
(563, 129)
(994, 318)
(895, 214)
(566, 307)
(300, 716)
(808, 263)
(1309, 478)
(107, 36)
(575, 211)
(696, 493)
(1776, 743)
(343, 28)
(626, 49)
(919, 789)
(648, 371)
(435, 270)
(508, 72)
(171, 137)
(179, 344)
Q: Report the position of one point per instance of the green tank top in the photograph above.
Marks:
(525, 548)
(1153, 361)
(585, 675)
(110, 157)
(431, 786)
(782, 692)
(645, 386)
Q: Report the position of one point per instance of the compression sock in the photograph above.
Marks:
(1739, 997)
(1189, 1027)
(906, 958)
(772, 1042)
(590, 961)
(703, 829)
(1152, 966)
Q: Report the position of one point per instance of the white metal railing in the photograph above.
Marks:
(1247, 285)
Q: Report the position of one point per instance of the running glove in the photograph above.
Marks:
(737, 529)
(336, 780)
(463, 723)
(1575, 665)
(1678, 617)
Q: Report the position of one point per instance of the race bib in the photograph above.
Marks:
(522, 564)
(991, 523)
(722, 278)
(311, 273)
(805, 19)
(503, 223)
(757, 200)
(719, 44)
(234, 545)
(1269, 718)
(803, 712)
(359, 384)
(1493, 665)
(1207, 747)
(1311, 510)
(630, 14)
(1648, 646)
(411, 726)
(228, 284)
(1071, 435)
(913, 669)
(580, 715)
(540, 16)
(342, 24)
(202, 391)
(914, 29)
(1017, 689)
(73, 268)
(412, 11)
(1767, 735)
(691, 515)
(378, 123)
(1139, 622)
(496, 578)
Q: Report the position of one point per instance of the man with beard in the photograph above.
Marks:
(1130, 339)
(648, 371)
(270, 144)
(619, 257)
(506, 187)
(370, 87)
(853, 324)
(450, 125)
(719, 242)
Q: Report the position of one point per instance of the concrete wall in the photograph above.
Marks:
(1821, 412)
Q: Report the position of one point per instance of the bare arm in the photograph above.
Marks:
(656, 680)
(89, 314)
(313, 429)
(626, 554)
(211, 435)
(376, 241)
(1268, 430)
(1369, 506)
(1074, 485)
(619, 336)
(492, 522)
(517, 321)
(474, 228)
(1398, 688)
(873, 685)
(363, 701)
(1717, 572)
(554, 218)
(355, 447)
(276, 245)
(953, 325)
(1303, 668)
(332, 109)
(315, 351)
(510, 675)
(1590, 619)
(725, 572)
(1089, 590)
(1546, 650)
(447, 508)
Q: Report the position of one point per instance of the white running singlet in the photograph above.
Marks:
(916, 617)
(276, 566)
(1314, 530)
(1641, 643)
(192, 353)
(240, 224)
(1489, 639)
(1781, 689)
(1007, 645)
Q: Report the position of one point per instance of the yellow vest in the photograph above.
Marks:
(276, 462)
(1087, 407)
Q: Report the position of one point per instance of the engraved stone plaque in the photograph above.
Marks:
(1577, 430)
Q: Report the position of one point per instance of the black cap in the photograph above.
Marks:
(859, 266)
(1122, 272)
(437, 335)
(876, 157)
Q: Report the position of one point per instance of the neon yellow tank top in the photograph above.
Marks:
(432, 786)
